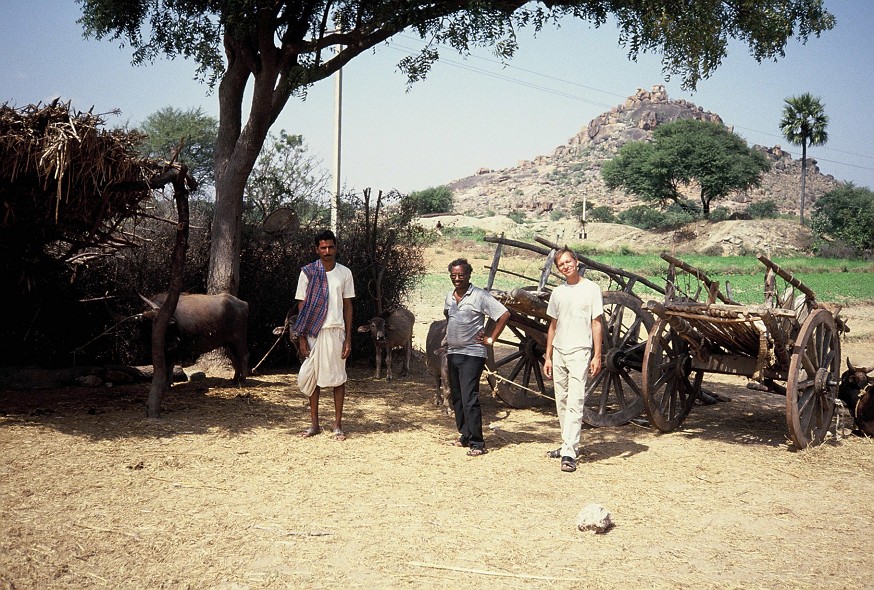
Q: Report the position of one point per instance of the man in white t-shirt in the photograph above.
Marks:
(325, 290)
(573, 350)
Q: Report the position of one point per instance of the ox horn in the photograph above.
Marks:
(156, 307)
(855, 369)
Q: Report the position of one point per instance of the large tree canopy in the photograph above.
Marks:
(686, 153)
(283, 47)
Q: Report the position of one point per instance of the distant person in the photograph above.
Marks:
(325, 290)
(573, 350)
(466, 308)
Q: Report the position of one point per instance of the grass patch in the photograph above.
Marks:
(834, 280)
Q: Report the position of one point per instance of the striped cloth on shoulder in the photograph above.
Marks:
(315, 306)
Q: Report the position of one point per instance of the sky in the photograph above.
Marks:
(470, 112)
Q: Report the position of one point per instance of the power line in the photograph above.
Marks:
(474, 69)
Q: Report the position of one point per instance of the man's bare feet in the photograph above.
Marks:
(311, 431)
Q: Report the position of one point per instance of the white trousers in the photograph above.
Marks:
(569, 374)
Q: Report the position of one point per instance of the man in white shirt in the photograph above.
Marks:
(573, 350)
(325, 290)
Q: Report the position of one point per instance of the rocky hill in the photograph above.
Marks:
(556, 181)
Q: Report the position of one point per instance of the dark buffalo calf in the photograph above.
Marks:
(438, 365)
(390, 330)
(288, 328)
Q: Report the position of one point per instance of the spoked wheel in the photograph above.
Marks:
(520, 383)
(670, 386)
(614, 396)
(812, 386)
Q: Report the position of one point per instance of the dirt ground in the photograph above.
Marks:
(221, 493)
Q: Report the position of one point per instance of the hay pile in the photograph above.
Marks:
(57, 170)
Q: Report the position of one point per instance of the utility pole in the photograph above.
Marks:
(338, 120)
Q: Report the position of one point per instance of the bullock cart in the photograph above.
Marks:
(516, 364)
(789, 345)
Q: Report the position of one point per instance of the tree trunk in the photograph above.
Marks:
(237, 150)
(803, 177)
(161, 373)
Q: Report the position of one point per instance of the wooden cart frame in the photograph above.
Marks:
(616, 393)
(791, 338)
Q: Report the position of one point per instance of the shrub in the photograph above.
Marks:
(719, 214)
(269, 266)
(766, 209)
(516, 216)
(713, 250)
(642, 216)
(556, 214)
(602, 214)
(834, 249)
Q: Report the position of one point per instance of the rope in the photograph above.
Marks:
(502, 378)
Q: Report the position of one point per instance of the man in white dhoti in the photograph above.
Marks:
(325, 290)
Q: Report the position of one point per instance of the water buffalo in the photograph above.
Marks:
(288, 328)
(390, 330)
(437, 364)
(857, 393)
(203, 323)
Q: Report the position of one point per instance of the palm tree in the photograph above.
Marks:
(804, 122)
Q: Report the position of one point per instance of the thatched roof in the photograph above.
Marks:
(58, 168)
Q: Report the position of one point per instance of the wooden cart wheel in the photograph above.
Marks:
(614, 396)
(521, 383)
(812, 386)
(670, 386)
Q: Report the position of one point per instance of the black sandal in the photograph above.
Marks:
(476, 452)
(568, 464)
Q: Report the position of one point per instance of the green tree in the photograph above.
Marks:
(167, 127)
(270, 51)
(285, 175)
(683, 154)
(436, 199)
(803, 123)
(846, 214)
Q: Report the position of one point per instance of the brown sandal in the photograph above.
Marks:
(475, 452)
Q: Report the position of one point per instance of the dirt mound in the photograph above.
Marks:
(772, 237)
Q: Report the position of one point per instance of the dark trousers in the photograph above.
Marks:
(464, 375)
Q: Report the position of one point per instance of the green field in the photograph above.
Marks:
(833, 280)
